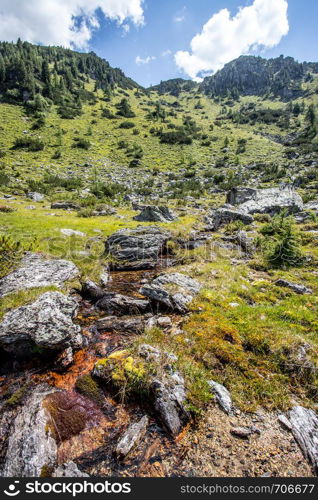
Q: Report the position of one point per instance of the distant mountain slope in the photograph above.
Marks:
(28, 70)
(174, 86)
(249, 75)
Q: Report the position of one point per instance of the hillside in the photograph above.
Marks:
(158, 268)
(248, 75)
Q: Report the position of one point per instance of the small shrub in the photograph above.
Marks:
(127, 125)
(82, 143)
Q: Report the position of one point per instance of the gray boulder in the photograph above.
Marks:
(156, 214)
(30, 445)
(36, 272)
(115, 304)
(300, 289)
(266, 201)
(169, 402)
(139, 248)
(172, 291)
(46, 323)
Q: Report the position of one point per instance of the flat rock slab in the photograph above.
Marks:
(46, 323)
(35, 272)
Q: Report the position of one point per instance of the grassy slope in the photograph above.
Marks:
(246, 346)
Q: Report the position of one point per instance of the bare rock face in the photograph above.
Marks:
(47, 323)
(265, 201)
(140, 248)
(156, 214)
(132, 436)
(115, 304)
(35, 272)
(31, 446)
(222, 396)
(172, 291)
(304, 426)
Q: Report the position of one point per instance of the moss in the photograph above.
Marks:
(46, 470)
(88, 387)
(16, 398)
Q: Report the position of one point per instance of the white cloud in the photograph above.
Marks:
(55, 22)
(224, 38)
(139, 60)
(180, 16)
(166, 53)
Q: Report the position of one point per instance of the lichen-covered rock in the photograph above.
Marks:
(35, 271)
(172, 291)
(152, 213)
(46, 323)
(140, 248)
(132, 437)
(31, 446)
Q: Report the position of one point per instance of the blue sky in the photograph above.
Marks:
(155, 40)
(163, 32)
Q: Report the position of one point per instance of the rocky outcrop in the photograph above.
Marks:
(152, 213)
(300, 289)
(35, 271)
(171, 291)
(115, 304)
(132, 437)
(47, 324)
(265, 201)
(140, 248)
(304, 426)
(31, 447)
